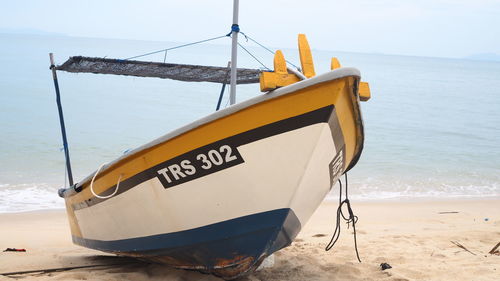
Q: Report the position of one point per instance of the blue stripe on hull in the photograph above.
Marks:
(206, 247)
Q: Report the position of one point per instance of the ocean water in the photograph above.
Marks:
(432, 125)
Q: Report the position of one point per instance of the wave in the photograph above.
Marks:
(28, 197)
(42, 196)
(398, 190)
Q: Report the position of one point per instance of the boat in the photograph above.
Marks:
(221, 194)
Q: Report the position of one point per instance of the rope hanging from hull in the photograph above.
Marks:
(351, 219)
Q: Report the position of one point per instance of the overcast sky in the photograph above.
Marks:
(443, 28)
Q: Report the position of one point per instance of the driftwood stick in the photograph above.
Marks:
(494, 251)
(49, 270)
(461, 246)
(452, 212)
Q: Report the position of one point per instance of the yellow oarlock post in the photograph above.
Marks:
(280, 63)
(270, 80)
(306, 59)
(280, 77)
(334, 64)
(364, 91)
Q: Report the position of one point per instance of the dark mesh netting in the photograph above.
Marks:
(182, 72)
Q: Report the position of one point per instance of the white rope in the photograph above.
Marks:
(92, 185)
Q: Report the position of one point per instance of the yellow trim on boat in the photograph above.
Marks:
(73, 222)
(252, 117)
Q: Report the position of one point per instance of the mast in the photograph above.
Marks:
(61, 119)
(234, 52)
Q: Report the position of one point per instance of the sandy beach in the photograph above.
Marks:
(418, 239)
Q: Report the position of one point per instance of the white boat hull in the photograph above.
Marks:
(295, 162)
(222, 193)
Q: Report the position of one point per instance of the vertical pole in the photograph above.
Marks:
(234, 52)
(61, 119)
(223, 87)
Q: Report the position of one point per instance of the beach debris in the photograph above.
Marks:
(486, 219)
(495, 250)
(451, 212)
(14, 250)
(462, 247)
(385, 266)
(319, 235)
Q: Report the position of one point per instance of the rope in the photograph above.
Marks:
(236, 28)
(266, 48)
(92, 184)
(255, 58)
(58, 269)
(350, 219)
(176, 47)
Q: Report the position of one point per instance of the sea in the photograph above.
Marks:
(432, 125)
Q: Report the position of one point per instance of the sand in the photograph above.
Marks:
(415, 238)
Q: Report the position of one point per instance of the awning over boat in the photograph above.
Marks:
(182, 72)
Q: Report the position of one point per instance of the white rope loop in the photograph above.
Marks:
(92, 184)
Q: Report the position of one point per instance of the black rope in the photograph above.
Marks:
(349, 219)
(266, 48)
(176, 47)
(59, 269)
(255, 58)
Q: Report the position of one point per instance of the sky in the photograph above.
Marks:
(436, 28)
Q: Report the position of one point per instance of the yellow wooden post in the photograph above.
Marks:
(334, 64)
(279, 63)
(364, 91)
(279, 77)
(306, 59)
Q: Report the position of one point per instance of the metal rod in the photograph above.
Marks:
(234, 52)
(223, 88)
(61, 120)
(220, 96)
(296, 72)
